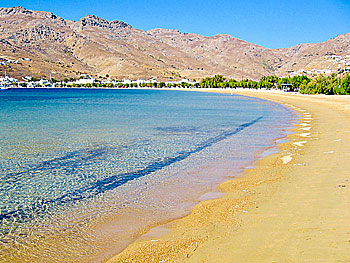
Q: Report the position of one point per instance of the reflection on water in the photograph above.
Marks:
(82, 171)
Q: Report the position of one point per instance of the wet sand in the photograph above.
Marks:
(294, 206)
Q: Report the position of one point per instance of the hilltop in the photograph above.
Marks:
(37, 43)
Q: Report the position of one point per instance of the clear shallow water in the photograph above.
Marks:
(82, 170)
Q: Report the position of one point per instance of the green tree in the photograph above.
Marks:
(212, 82)
(320, 85)
(160, 85)
(298, 81)
(345, 84)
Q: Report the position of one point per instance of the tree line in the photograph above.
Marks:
(330, 85)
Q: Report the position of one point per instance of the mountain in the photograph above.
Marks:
(45, 44)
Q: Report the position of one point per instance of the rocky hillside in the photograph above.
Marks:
(38, 44)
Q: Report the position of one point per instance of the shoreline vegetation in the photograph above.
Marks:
(292, 207)
(335, 84)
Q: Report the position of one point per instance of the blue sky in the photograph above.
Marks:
(272, 24)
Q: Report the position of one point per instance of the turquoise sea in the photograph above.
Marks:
(83, 171)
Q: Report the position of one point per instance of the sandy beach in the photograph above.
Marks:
(293, 206)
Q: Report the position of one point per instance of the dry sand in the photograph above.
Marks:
(293, 207)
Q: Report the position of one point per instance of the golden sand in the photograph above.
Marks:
(293, 207)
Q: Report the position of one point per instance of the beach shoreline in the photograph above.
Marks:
(240, 225)
(160, 199)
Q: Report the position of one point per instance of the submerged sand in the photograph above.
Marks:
(294, 206)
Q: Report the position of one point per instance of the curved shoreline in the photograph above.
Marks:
(276, 211)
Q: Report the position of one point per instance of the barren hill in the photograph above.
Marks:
(45, 44)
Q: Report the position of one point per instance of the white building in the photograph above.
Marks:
(12, 61)
(126, 81)
(7, 80)
(43, 82)
(323, 71)
(141, 81)
(85, 81)
(27, 78)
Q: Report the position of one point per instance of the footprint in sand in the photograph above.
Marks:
(286, 159)
(307, 134)
(299, 144)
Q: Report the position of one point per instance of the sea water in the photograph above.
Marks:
(84, 172)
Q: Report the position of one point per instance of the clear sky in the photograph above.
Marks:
(271, 23)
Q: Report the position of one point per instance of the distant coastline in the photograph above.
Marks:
(42, 45)
(336, 84)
